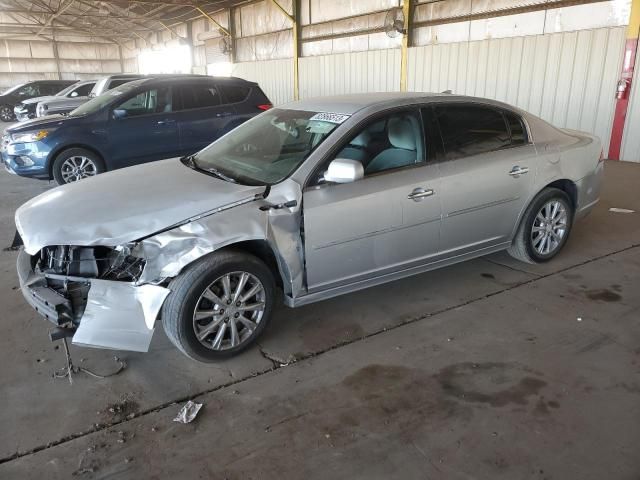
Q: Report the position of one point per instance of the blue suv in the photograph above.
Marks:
(140, 121)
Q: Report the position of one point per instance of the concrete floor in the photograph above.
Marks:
(488, 369)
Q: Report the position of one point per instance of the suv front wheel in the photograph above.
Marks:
(74, 164)
(219, 305)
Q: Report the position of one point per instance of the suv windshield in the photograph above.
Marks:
(100, 101)
(267, 148)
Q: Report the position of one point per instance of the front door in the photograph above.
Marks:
(385, 222)
(142, 129)
(487, 173)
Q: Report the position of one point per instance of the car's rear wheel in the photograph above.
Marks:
(6, 113)
(74, 164)
(219, 305)
(545, 227)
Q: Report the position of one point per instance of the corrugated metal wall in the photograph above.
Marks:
(566, 78)
(371, 71)
(630, 149)
(23, 61)
(274, 76)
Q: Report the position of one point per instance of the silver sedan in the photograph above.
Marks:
(317, 198)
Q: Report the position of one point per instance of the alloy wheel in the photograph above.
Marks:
(76, 168)
(229, 311)
(549, 227)
(6, 115)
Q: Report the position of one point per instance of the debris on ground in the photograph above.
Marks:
(69, 369)
(579, 319)
(124, 408)
(621, 210)
(188, 412)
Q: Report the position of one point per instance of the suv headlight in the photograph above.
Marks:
(30, 136)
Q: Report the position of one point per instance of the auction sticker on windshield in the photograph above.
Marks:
(330, 117)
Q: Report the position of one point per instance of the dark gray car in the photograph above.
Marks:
(14, 95)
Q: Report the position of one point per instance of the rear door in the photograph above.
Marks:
(201, 114)
(141, 128)
(487, 171)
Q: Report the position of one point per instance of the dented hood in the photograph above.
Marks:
(124, 205)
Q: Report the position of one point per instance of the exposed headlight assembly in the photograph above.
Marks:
(24, 137)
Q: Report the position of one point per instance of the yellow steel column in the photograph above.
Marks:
(295, 20)
(296, 48)
(406, 37)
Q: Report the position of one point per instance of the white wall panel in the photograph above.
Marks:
(566, 78)
(274, 76)
(372, 71)
(630, 148)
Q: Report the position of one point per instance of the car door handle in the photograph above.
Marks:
(223, 114)
(166, 122)
(419, 193)
(517, 171)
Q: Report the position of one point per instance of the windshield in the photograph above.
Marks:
(267, 148)
(62, 93)
(100, 101)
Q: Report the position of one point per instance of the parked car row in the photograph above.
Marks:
(12, 97)
(126, 120)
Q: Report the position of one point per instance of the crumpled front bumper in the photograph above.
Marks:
(118, 315)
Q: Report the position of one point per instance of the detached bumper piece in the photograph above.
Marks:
(98, 313)
(50, 304)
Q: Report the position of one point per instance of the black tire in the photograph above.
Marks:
(62, 157)
(522, 247)
(186, 290)
(6, 113)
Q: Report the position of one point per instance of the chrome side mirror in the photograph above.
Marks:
(344, 170)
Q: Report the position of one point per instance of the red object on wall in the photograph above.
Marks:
(622, 98)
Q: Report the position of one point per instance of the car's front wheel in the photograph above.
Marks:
(6, 113)
(74, 164)
(545, 227)
(219, 305)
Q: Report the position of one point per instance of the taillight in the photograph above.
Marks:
(265, 106)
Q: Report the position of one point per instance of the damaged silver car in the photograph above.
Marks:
(319, 198)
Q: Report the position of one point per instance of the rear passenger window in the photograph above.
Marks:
(197, 96)
(234, 93)
(518, 134)
(471, 130)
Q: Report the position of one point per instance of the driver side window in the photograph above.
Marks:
(156, 100)
(391, 142)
